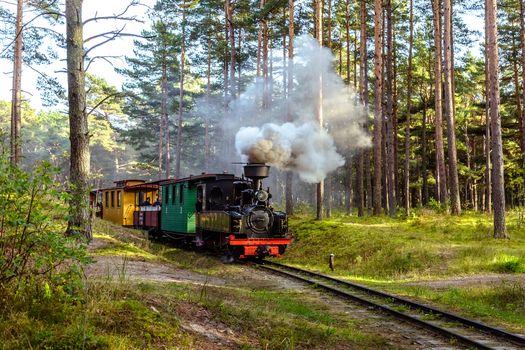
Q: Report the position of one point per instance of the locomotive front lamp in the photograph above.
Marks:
(261, 195)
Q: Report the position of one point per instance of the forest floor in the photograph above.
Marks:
(142, 295)
(450, 262)
(148, 295)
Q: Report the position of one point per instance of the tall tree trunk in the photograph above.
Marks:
(348, 174)
(259, 41)
(181, 93)
(455, 202)
(206, 120)
(319, 37)
(363, 94)
(441, 184)
(341, 52)
(517, 96)
(239, 72)
(469, 197)
(378, 110)
(348, 185)
(488, 172)
(329, 25)
(367, 154)
(289, 174)
(231, 34)
(164, 125)
(79, 219)
(390, 151)
(359, 184)
(16, 101)
(406, 187)
(265, 39)
(475, 202)
(347, 37)
(498, 184)
(328, 180)
(355, 58)
(522, 26)
(424, 156)
(226, 65)
(397, 188)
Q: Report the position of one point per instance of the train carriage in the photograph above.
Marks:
(129, 203)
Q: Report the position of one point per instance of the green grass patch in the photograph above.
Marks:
(423, 245)
(502, 303)
(387, 253)
(285, 319)
(129, 250)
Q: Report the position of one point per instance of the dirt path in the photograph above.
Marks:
(120, 267)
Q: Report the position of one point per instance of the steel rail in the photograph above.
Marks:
(507, 336)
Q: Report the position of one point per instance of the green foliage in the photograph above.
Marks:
(437, 206)
(35, 257)
(509, 264)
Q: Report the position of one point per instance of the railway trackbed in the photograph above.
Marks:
(471, 333)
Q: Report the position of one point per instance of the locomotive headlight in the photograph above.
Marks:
(261, 195)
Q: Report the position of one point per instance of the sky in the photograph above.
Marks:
(119, 47)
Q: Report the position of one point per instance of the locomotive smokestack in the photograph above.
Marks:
(256, 172)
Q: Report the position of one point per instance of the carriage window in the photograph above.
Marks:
(165, 189)
(118, 199)
(112, 199)
(107, 199)
(141, 197)
(181, 193)
(173, 193)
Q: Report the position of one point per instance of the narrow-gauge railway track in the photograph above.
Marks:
(469, 332)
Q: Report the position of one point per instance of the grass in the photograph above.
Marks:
(503, 304)
(129, 250)
(389, 253)
(285, 319)
(118, 313)
(392, 254)
(426, 245)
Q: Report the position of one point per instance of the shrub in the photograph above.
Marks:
(34, 253)
(509, 264)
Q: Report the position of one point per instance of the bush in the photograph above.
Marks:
(35, 256)
(509, 264)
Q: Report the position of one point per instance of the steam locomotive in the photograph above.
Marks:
(220, 211)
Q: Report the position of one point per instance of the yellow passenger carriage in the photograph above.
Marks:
(131, 203)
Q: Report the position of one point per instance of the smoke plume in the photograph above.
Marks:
(300, 144)
(306, 149)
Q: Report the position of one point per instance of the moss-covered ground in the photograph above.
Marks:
(400, 254)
